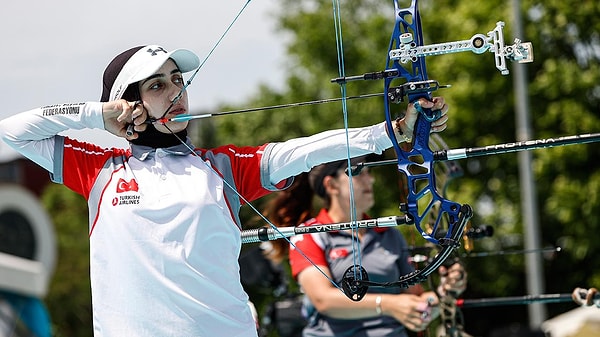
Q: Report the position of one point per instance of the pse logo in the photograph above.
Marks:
(124, 188)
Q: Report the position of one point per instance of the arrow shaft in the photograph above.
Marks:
(518, 300)
(516, 146)
(267, 234)
(187, 117)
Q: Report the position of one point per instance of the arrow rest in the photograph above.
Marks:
(396, 94)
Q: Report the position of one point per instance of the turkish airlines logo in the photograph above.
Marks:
(127, 186)
(124, 186)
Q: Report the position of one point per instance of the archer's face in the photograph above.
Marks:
(363, 190)
(159, 90)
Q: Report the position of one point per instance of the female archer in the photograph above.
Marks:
(164, 228)
(383, 252)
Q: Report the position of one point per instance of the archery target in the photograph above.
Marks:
(27, 242)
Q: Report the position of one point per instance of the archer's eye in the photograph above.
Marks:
(155, 86)
(178, 80)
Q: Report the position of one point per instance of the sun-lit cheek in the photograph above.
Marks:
(184, 99)
(153, 111)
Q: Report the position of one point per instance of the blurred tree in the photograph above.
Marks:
(69, 300)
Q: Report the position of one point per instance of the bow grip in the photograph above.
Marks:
(429, 114)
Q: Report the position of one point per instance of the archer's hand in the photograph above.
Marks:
(119, 114)
(406, 125)
(453, 279)
(413, 311)
(589, 294)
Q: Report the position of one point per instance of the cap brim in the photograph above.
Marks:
(185, 60)
(146, 62)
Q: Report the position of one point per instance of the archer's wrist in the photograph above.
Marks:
(401, 131)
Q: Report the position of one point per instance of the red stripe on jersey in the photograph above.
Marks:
(245, 164)
(311, 250)
(82, 162)
(93, 225)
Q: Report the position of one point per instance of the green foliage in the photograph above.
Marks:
(69, 298)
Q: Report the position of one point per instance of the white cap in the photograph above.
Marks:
(142, 64)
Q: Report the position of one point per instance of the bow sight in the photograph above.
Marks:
(409, 51)
(521, 52)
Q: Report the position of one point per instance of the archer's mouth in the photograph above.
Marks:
(177, 110)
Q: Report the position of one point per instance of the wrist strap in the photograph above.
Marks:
(406, 138)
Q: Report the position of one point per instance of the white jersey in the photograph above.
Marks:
(164, 229)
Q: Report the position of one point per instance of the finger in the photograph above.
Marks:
(123, 116)
(589, 299)
(457, 266)
(439, 125)
(438, 103)
(457, 273)
(443, 109)
(137, 119)
(424, 103)
(458, 278)
(460, 284)
(440, 121)
(577, 295)
(126, 110)
(139, 111)
(139, 115)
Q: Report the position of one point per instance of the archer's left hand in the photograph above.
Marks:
(407, 124)
(453, 279)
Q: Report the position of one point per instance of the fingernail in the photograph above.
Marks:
(422, 306)
(426, 315)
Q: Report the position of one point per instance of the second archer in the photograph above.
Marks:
(384, 253)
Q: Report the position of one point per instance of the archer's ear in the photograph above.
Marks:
(330, 185)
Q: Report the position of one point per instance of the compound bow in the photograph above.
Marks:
(406, 46)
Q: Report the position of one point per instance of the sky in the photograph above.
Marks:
(56, 51)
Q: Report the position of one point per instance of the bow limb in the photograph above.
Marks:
(417, 162)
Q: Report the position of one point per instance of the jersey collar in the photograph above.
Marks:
(142, 152)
